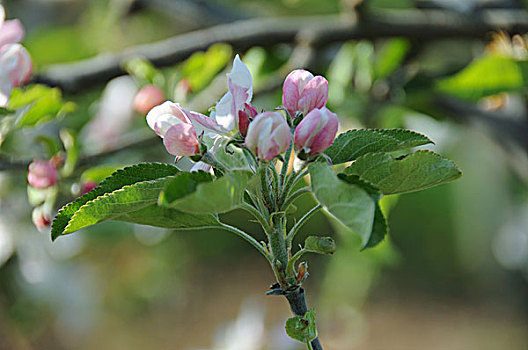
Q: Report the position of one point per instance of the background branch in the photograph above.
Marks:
(318, 30)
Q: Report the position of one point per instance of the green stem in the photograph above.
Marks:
(248, 238)
(264, 183)
(302, 221)
(278, 248)
(284, 169)
(276, 183)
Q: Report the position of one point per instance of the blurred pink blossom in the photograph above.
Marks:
(147, 98)
(15, 69)
(42, 174)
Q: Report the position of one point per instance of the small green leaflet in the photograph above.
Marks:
(302, 328)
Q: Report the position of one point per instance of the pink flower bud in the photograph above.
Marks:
(268, 135)
(147, 98)
(42, 174)
(303, 92)
(41, 217)
(15, 69)
(180, 128)
(316, 131)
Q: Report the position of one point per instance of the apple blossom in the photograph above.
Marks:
(181, 129)
(316, 131)
(15, 69)
(240, 86)
(268, 135)
(42, 174)
(303, 92)
(147, 98)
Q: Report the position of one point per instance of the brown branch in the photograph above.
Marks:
(318, 30)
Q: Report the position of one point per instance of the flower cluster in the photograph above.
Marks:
(305, 119)
(15, 63)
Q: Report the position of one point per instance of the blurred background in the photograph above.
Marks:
(453, 273)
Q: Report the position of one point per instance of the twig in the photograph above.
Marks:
(320, 31)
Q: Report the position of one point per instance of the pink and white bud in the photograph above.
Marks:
(15, 69)
(180, 128)
(268, 135)
(41, 217)
(240, 86)
(316, 131)
(303, 92)
(42, 174)
(147, 98)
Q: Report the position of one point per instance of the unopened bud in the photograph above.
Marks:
(268, 135)
(316, 131)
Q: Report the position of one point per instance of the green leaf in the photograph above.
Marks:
(348, 203)
(302, 328)
(202, 67)
(487, 75)
(144, 72)
(155, 215)
(320, 245)
(128, 199)
(355, 143)
(119, 179)
(417, 171)
(197, 192)
(380, 227)
(43, 104)
(390, 56)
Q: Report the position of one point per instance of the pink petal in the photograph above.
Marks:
(181, 140)
(314, 94)
(11, 32)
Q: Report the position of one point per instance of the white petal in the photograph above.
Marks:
(223, 114)
(240, 74)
